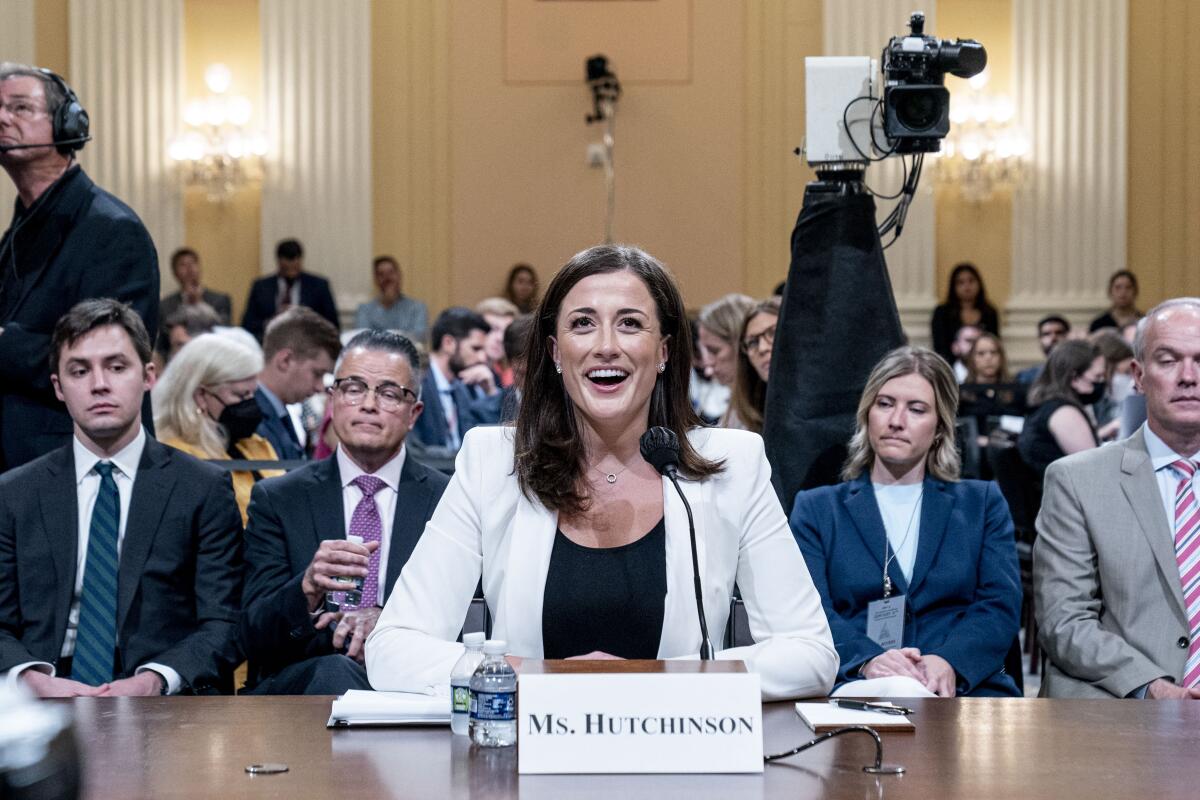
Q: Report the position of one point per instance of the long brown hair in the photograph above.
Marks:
(1002, 375)
(550, 456)
(750, 391)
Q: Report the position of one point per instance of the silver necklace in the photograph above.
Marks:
(611, 477)
(888, 559)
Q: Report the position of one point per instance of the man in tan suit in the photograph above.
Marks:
(1108, 580)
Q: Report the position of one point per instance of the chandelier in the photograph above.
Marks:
(218, 151)
(985, 151)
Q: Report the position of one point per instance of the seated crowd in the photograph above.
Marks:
(325, 507)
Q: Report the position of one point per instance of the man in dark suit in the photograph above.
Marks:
(459, 388)
(69, 240)
(299, 349)
(120, 558)
(185, 266)
(302, 636)
(290, 286)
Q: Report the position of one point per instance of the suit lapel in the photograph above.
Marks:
(863, 508)
(59, 503)
(530, 544)
(151, 491)
(413, 499)
(1140, 487)
(936, 505)
(325, 502)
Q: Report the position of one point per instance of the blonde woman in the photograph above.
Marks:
(720, 329)
(917, 570)
(204, 405)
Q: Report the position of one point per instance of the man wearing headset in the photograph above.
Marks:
(69, 240)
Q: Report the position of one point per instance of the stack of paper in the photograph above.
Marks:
(357, 707)
(823, 717)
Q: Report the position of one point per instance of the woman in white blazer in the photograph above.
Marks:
(582, 546)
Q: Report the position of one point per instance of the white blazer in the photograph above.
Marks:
(484, 525)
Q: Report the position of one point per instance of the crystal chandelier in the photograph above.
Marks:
(218, 151)
(985, 151)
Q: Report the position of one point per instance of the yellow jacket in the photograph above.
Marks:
(252, 448)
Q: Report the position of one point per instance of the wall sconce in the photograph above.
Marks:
(218, 151)
(985, 151)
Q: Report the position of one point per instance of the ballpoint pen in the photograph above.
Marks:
(862, 705)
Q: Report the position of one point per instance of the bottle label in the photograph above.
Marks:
(493, 706)
(460, 699)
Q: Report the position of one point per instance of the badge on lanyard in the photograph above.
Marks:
(885, 622)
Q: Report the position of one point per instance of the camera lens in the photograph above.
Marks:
(919, 111)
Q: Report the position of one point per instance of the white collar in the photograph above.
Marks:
(389, 473)
(1161, 455)
(126, 459)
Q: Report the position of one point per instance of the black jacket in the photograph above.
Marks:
(77, 242)
(179, 579)
(261, 304)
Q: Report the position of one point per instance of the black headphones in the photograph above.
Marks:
(71, 121)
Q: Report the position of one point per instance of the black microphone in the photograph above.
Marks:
(4, 148)
(660, 448)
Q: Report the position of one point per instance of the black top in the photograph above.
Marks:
(947, 320)
(610, 599)
(1107, 320)
(1037, 444)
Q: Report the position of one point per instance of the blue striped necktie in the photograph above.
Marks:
(96, 637)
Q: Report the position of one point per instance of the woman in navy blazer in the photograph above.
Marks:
(961, 590)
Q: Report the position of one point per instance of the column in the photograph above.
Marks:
(317, 114)
(127, 69)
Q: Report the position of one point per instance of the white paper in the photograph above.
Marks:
(818, 714)
(358, 707)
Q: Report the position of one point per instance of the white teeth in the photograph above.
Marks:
(608, 373)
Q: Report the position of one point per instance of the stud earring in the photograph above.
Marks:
(558, 368)
(662, 366)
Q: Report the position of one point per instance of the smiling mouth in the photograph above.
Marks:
(607, 377)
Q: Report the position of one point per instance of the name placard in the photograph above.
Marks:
(639, 723)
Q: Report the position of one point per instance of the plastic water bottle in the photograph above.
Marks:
(352, 596)
(460, 683)
(494, 698)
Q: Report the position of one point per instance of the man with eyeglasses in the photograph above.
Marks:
(69, 240)
(348, 522)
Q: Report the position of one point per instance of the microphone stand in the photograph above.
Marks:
(706, 648)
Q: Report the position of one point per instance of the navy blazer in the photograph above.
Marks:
(289, 517)
(272, 429)
(964, 600)
(431, 429)
(264, 294)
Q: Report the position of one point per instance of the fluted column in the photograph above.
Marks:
(127, 68)
(16, 44)
(863, 27)
(1069, 218)
(317, 104)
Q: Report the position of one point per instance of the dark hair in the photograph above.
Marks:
(779, 288)
(384, 260)
(456, 321)
(1123, 273)
(1066, 362)
(181, 253)
(512, 276)
(550, 456)
(195, 318)
(385, 341)
(1113, 347)
(516, 337)
(1053, 318)
(89, 315)
(969, 359)
(981, 301)
(289, 249)
(303, 331)
(749, 399)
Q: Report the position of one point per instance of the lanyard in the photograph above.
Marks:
(889, 555)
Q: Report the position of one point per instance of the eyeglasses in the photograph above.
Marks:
(22, 109)
(389, 396)
(751, 343)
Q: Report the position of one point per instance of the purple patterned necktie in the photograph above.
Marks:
(365, 522)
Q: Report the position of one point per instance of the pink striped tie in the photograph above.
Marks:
(1187, 554)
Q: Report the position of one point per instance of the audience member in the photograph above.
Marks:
(567, 571)
(521, 288)
(904, 534)
(963, 340)
(756, 341)
(204, 405)
(499, 314)
(1122, 294)
(1051, 330)
(721, 323)
(185, 266)
(392, 309)
(459, 387)
(184, 324)
(1058, 423)
(708, 397)
(290, 286)
(1118, 381)
(299, 349)
(69, 240)
(987, 363)
(516, 344)
(120, 558)
(297, 541)
(1114, 564)
(966, 304)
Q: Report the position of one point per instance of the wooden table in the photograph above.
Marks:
(197, 747)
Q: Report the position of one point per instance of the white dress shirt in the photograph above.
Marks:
(87, 489)
(385, 501)
(1161, 457)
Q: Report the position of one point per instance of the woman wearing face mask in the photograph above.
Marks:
(1059, 424)
(204, 405)
(720, 336)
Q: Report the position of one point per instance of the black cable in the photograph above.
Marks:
(870, 129)
(877, 768)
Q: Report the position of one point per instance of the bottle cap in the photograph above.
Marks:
(494, 647)
(474, 639)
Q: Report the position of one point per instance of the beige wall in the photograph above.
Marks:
(51, 30)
